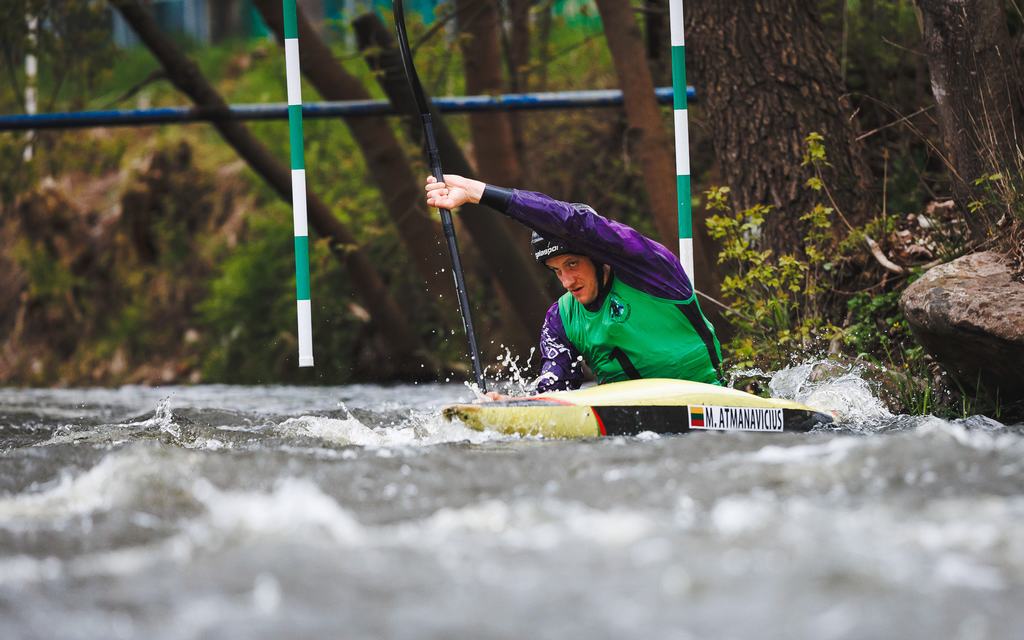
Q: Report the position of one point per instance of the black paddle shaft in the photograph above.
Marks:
(434, 158)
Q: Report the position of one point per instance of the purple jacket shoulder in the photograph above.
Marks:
(639, 261)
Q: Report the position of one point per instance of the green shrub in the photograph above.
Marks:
(784, 308)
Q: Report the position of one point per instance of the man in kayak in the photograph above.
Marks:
(629, 310)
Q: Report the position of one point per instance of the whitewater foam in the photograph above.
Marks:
(847, 396)
(117, 480)
(420, 428)
(295, 507)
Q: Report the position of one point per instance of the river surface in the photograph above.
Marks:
(356, 512)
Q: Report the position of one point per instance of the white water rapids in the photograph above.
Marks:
(356, 512)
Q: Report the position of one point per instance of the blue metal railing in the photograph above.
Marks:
(355, 108)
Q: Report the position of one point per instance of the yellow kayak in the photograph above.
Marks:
(635, 406)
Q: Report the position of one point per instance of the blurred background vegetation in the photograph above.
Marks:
(153, 254)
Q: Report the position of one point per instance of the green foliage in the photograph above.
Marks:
(1002, 191)
(15, 173)
(73, 47)
(49, 281)
(249, 305)
(249, 314)
(783, 308)
(876, 324)
(776, 300)
(774, 305)
(814, 153)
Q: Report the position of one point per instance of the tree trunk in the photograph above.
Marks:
(517, 55)
(494, 148)
(479, 39)
(544, 44)
(386, 163)
(649, 141)
(767, 78)
(507, 259)
(977, 84)
(405, 346)
(658, 41)
(226, 19)
(519, 44)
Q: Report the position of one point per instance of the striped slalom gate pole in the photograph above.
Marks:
(291, 53)
(675, 16)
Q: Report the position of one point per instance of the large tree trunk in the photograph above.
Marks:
(405, 346)
(767, 78)
(977, 84)
(649, 141)
(386, 163)
(508, 259)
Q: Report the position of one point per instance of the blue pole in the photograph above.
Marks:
(350, 108)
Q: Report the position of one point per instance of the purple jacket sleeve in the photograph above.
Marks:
(560, 364)
(639, 261)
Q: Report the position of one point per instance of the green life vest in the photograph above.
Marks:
(637, 335)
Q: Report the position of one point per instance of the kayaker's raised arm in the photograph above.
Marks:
(638, 260)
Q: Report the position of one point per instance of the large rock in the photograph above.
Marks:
(969, 314)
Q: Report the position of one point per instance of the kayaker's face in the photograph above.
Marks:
(577, 274)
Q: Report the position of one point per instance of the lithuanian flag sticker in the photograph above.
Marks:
(696, 417)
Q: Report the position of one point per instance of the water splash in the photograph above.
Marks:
(417, 428)
(163, 425)
(510, 374)
(346, 431)
(828, 386)
(737, 374)
(163, 418)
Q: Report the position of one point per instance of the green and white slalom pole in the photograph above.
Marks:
(675, 16)
(294, 76)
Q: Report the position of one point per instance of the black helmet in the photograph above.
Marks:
(544, 248)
